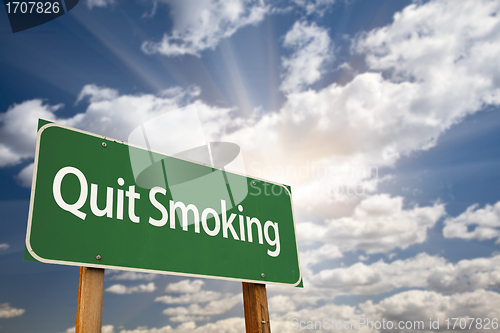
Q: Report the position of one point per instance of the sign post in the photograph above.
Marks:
(89, 308)
(255, 306)
(101, 203)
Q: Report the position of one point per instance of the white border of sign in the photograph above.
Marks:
(71, 263)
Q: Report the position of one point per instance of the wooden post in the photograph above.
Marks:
(255, 305)
(89, 309)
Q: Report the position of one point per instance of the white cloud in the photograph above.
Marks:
(99, 3)
(413, 305)
(108, 113)
(131, 276)
(200, 25)
(184, 318)
(421, 271)
(4, 246)
(107, 329)
(431, 67)
(324, 252)
(104, 329)
(97, 94)
(283, 322)
(379, 224)
(26, 175)
(230, 325)
(311, 47)
(117, 115)
(185, 286)
(417, 305)
(440, 42)
(378, 277)
(315, 6)
(18, 130)
(216, 303)
(486, 222)
(281, 303)
(466, 275)
(201, 296)
(215, 307)
(122, 290)
(6, 311)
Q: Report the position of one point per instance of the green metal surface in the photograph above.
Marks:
(57, 235)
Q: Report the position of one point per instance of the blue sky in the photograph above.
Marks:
(407, 90)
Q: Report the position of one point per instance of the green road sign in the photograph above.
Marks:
(99, 202)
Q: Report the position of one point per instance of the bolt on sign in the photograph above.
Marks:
(99, 202)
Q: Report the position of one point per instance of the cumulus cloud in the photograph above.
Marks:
(413, 306)
(201, 25)
(4, 246)
(201, 296)
(115, 115)
(6, 311)
(311, 49)
(379, 224)
(466, 275)
(460, 41)
(378, 277)
(26, 175)
(197, 312)
(108, 113)
(486, 223)
(417, 305)
(122, 290)
(422, 271)
(192, 294)
(185, 286)
(18, 130)
(104, 329)
(131, 276)
(315, 6)
(230, 325)
(324, 252)
(281, 303)
(99, 3)
(97, 94)
(426, 71)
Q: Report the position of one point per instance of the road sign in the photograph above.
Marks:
(88, 208)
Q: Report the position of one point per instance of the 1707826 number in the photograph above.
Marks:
(472, 323)
(33, 7)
